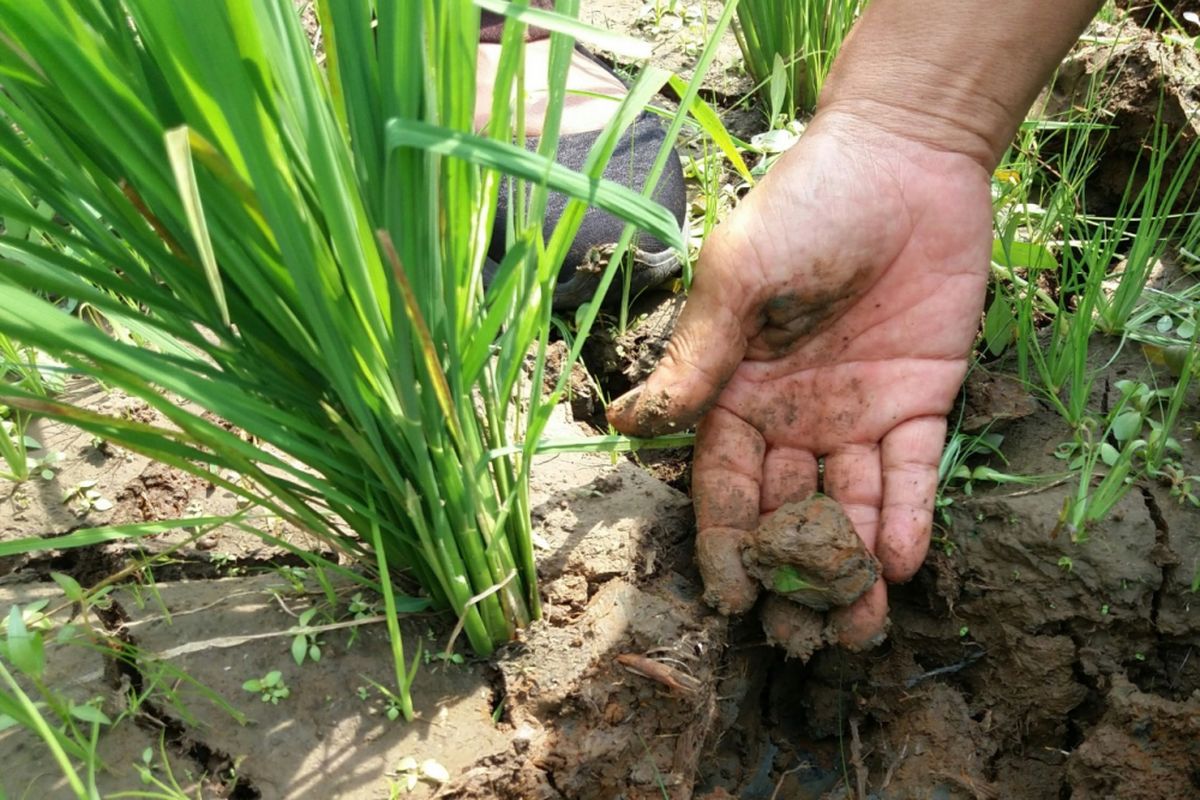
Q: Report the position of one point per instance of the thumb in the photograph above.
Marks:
(706, 346)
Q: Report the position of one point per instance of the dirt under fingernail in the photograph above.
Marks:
(810, 553)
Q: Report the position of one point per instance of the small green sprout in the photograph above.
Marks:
(360, 608)
(270, 686)
(146, 767)
(87, 498)
(46, 465)
(446, 658)
(305, 645)
(1066, 564)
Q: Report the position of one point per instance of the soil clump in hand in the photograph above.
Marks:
(810, 553)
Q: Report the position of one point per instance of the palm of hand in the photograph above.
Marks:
(857, 280)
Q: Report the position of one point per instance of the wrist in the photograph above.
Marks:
(940, 129)
(954, 75)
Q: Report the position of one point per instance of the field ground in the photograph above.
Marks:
(1022, 662)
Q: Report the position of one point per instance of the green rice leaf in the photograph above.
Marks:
(710, 123)
(614, 198)
(89, 537)
(180, 154)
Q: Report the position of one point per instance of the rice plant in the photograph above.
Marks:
(299, 250)
(792, 43)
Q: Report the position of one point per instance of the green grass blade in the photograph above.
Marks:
(534, 168)
(180, 154)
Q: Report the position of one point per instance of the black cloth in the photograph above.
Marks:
(630, 163)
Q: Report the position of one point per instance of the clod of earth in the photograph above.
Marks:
(809, 553)
(797, 630)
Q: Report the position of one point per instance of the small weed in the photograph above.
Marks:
(360, 608)
(295, 576)
(271, 687)
(445, 658)
(166, 787)
(409, 773)
(394, 706)
(304, 644)
(68, 728)
(225, 564)
(1180, 485)
(86, 498)
(46, 465)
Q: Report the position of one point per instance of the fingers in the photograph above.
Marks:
(853, 477)
(707, 345)
(789, 476)
(726, 476)
(863, 624)
(910, 454)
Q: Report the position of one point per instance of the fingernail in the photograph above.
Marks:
(625, 403)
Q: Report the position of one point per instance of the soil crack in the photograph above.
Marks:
(1163, 556)
(125, 676)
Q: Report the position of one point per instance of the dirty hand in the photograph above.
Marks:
(830, 321)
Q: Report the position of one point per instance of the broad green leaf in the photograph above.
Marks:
(25, 648)
(89, 713)
(998, 325)
(786, 579)
(70, 586)
(299, 648)
(1127, 425)
(778, 86)
(1016, 254)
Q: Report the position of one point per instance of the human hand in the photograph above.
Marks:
(830, 320)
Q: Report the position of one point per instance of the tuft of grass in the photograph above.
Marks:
(300, 251)
(789, 46)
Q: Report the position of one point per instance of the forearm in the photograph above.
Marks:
(958, 75)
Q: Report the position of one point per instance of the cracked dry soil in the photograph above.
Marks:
(1020, 664)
